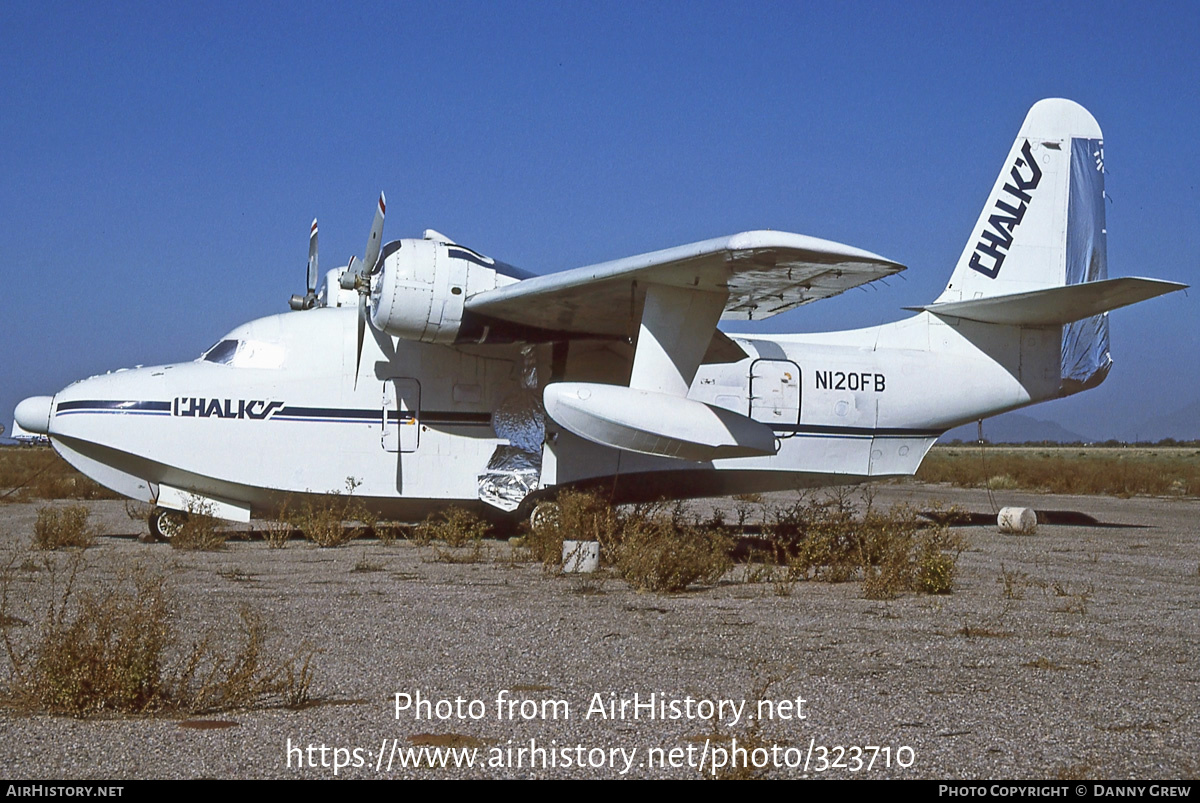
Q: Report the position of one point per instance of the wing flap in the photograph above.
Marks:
(763, 272)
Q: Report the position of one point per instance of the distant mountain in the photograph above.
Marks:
(1014, 428)
(1182, 425)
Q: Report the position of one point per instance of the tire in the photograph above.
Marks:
(543, 515)
(166, 524)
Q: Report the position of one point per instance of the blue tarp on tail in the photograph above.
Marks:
(1085, 358)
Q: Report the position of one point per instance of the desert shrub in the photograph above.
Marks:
(218, 676)
(1013, 582)
(39, 473)
(138, 511)
(938, 552)
(835, 537)
(199, 530)
(320, 520)
(1119, 472)
(278, 531)
(663, 554)
(323, 518)
(453, 526)
(390, 532)
(115, 651)
(572, 516)
(935, 572)
(653, 547)
(472, 551)
(744, 505)
(277, 534)
(57, 528)
(741, 763)
(104, 657)
(363, 521)
(819, 537)
(827, 539)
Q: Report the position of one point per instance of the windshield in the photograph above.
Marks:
(222, 353)
(246, 354)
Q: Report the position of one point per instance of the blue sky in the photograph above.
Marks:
(161, 163)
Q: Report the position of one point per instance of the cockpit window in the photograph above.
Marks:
(222, 353)
(246, 354)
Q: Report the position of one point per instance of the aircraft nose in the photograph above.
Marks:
(33, 414)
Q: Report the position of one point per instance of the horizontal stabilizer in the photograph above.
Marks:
(1055, 305)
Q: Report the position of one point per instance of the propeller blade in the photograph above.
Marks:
(375, 243)
(362, 329)
(312, 258)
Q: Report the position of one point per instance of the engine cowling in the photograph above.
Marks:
(420, 291)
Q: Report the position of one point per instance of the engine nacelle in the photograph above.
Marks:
(420, 291)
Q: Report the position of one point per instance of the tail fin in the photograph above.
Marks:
(1043, 224)
(1043, 227)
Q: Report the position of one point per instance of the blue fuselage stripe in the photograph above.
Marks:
(114, 406)
(817, 430)
(331, 415)
(452, 418)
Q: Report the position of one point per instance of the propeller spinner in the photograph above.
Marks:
(358, 276)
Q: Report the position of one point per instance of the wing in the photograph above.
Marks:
(764, 273)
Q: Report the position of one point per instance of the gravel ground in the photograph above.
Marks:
(1090, 671)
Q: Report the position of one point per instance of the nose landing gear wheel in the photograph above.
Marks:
(166, 524)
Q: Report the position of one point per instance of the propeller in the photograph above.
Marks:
(309, 299)
(358, 276)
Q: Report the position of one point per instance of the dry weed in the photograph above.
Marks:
(59, 528)
(29, 472)
(659, 548)
(1013, 582)
(199, 530)
(825, 538)
(323, 517)
(453, 526)
(115, 651)
(657, 554)
(1114, 471)
(278, 531)
(662, 548)
(572, 516)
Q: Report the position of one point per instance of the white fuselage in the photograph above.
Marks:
(449, 405)
(282, 414)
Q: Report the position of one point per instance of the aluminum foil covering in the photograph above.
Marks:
(1085, 358)
(514, 470)
(529, 368)
(511, 475)
(522, 421)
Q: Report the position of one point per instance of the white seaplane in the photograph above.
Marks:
(433, 375)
